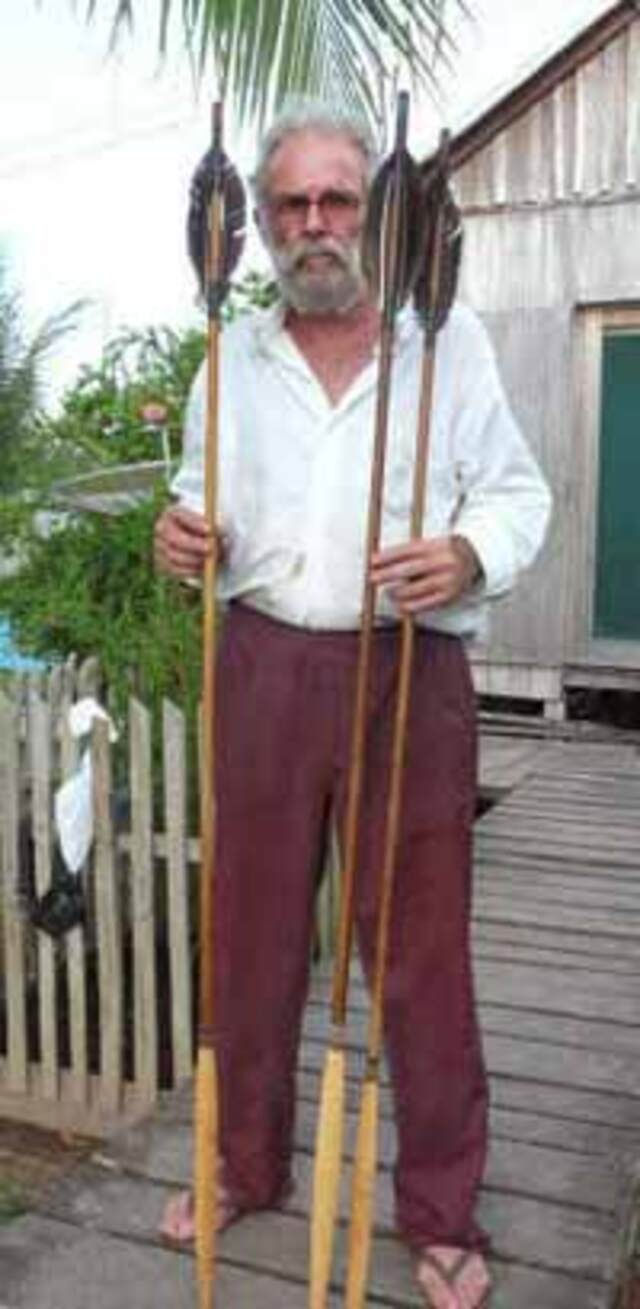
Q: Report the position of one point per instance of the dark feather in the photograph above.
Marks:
(391, 237)
(215, 163)
(441, 244)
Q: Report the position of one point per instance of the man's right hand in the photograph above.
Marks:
(182, 542)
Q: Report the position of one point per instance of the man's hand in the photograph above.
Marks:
(427, 574)
(182, 542)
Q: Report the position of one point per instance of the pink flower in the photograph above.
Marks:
(154, 414)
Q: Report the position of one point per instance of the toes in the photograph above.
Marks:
(178, 1222)
(453, 1279)
(432, 1280)
(473, 1284)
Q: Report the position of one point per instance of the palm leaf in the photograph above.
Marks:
(263, 52)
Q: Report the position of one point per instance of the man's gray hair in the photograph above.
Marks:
(304, 115)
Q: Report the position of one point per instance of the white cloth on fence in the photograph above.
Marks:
(73, 802)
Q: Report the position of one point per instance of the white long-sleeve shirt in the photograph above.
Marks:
(294, 472)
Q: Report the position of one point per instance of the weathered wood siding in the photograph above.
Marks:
(581, 141)
(552, 215)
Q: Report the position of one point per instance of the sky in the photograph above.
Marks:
(96, 152)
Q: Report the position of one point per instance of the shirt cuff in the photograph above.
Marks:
(495, 556)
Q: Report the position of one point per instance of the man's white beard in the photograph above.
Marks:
(336, 288)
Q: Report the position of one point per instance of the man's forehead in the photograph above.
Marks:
(309, 156)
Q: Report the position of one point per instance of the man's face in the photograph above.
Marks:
(311, 220)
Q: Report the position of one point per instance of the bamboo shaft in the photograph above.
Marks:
(362, 1205)
(207, 790)
(363, 1194)
(403, 697)
(328, 1156)
(356, 770)
(329, 1135)
(423, 438)
(206, 1174)
(206, 1164)
(394, 246)
(326, 1178)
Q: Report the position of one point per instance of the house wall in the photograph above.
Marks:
(552, 221)
(581, 141)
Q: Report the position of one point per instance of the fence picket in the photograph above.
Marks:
(108, 926)
(175, 801)
(36, 749)
(142, 898)
(14, 980)
(75, 942)
(88, 680)
(39, 717)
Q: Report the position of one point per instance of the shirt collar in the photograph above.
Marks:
(270, 333)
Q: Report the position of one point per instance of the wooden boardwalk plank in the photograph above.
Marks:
(557, 959)
(260, 1260)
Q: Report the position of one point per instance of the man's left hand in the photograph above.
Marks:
(427, 574)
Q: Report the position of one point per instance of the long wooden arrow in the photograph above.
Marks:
(388, 260)
(215, 233)
(433, 293)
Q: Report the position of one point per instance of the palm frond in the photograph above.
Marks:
(262, 51)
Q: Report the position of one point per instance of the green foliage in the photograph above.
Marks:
(254, 291)
(101, 420)
(21, 361)
(89, 587)
(12, 1200)
(85, 584)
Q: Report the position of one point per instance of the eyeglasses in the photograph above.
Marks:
(334, 207)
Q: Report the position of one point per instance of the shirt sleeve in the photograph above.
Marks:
(505, 500)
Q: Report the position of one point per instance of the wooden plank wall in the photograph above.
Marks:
(581, 141)
(551, 212)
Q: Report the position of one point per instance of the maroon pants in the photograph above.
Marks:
(285, 717)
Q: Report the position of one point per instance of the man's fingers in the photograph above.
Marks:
(424, 574)
(182, 542)
(423, 593)
(406, 559)
(192, 522)
(182, 562)
(414, 566)
(394, 555)
(409, 568)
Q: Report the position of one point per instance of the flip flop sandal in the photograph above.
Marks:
(450, 1276)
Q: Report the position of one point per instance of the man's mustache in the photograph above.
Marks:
(295, 256)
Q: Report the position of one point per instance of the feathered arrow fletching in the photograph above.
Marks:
(216, 169)
(391, 242)
(441, 240)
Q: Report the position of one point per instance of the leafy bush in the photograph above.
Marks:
(102, 420)
(21, 361)
(87, 585)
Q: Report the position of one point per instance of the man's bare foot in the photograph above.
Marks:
(178, 1221)
(453, 1279)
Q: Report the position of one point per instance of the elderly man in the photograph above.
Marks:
(297, 419)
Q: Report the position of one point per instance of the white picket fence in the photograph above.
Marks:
(87, 1034)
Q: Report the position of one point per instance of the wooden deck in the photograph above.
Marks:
(557, 951)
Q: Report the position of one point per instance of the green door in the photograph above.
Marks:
(617, 595)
